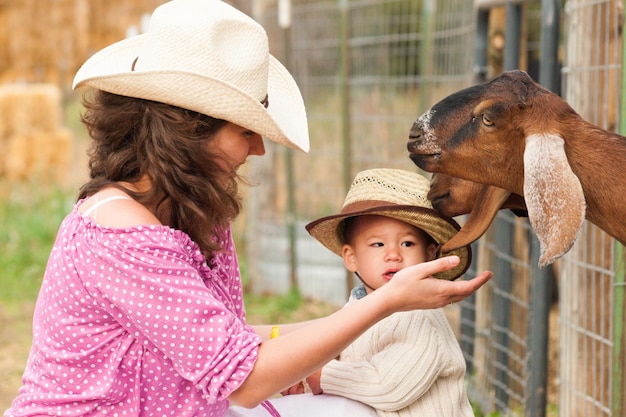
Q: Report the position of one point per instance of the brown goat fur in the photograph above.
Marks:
(514, 134)
(455, 196)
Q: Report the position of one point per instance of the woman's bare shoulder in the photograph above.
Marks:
(114, 208)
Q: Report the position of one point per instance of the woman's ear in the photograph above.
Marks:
(349, 258)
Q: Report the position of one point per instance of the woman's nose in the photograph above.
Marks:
(257, 147)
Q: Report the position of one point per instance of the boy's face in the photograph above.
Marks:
(381, 246)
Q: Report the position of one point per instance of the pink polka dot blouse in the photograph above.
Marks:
(134, 322)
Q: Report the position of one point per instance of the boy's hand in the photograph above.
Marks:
(313, 381)
(294, 389)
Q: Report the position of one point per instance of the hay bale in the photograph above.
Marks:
(33, 144)
(30, 107)
(51, 161)
(17, 160)
(44, 156)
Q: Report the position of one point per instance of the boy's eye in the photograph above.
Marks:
(408, 244)
(377, 244)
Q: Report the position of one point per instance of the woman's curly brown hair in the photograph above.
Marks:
(134, 138)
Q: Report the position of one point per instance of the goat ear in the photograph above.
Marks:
(486, 206)
(554, 196)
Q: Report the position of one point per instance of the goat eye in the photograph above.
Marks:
(487, 121)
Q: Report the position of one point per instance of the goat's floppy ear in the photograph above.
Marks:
(554, 196)
(489, 200)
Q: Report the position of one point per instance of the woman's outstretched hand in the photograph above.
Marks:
(284, 361)
(415, 288)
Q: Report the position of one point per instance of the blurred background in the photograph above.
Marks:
(537, 342)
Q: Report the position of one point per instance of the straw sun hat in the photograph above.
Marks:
(397, 194)
(205, 56)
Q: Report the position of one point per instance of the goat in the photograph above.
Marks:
(453, 196)
(514, 134)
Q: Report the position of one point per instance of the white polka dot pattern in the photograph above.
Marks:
(133, 322)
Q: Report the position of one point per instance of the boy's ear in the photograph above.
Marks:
(431, 251)
(349, 258)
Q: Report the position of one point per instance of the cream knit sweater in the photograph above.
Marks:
(408, 365)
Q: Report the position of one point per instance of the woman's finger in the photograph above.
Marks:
(427, 269)
(460, 290)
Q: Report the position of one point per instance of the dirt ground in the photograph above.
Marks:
(15, 339)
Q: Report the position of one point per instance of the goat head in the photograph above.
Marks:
(503, 133)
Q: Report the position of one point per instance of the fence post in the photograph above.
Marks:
(481, 65)
(541, 286)
(501, 313)
(468, 320)
(503, 237)
(538, 333)
(344, 48)
(284, 21)
(512, 36)
(426, 53)
(618, 406)
(468, 306)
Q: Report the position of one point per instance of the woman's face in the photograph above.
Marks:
(235, 143)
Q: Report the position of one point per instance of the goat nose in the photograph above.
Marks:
(414, 140)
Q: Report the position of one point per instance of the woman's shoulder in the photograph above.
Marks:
(117, 221)
(114, 208)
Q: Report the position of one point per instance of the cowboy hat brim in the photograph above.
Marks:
(283, 121)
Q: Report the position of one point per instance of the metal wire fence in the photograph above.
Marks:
(537, 342)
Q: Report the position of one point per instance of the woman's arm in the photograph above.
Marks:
(288, 359)
(264, 330)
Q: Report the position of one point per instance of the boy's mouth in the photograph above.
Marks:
(389, 274)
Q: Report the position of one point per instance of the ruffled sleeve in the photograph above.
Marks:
(155, 284)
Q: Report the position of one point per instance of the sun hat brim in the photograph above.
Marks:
(283, 121)
(328, 232)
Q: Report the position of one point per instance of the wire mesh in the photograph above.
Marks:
(591, 79)
(400, 57)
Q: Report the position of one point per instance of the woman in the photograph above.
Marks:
(140, 311)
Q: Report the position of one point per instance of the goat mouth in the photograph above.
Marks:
(425, 161)
(439, 199)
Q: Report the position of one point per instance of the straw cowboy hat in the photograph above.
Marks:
(397, 194)
(205, 56)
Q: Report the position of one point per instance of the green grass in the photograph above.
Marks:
(30, 216)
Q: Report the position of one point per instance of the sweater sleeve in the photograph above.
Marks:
(391, 365)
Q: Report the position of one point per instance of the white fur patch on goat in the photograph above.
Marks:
(553, 194)
(429, 141)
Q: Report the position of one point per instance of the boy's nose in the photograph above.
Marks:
(393, 254)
